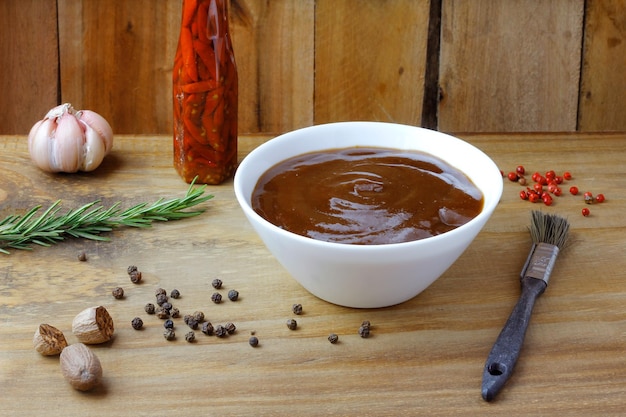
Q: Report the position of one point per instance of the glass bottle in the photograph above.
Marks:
(205, 94)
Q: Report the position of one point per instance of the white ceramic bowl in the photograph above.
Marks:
(367, 276)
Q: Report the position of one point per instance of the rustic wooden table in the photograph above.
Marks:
(425, 356)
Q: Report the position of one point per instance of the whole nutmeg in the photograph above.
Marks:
(48, 340)
(80, 367)
(93, 325)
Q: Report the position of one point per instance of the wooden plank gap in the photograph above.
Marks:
(58, 46)
(431, 77)
(582, 64)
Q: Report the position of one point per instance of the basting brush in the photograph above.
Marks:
(549, 235)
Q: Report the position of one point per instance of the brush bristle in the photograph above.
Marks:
(549, 228)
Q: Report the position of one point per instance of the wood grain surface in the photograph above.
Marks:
(275, 54)
(523, 65)
(370, 60)
(116, 58)
(502, 62)
(29, 58)
(604, 57)
(424, 357)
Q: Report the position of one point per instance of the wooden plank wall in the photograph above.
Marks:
(370, 59)
(603, 86)
(116, 59)
(29, 63)
(510, 63)
(515, 65)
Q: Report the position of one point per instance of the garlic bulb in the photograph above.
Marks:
(67, 140)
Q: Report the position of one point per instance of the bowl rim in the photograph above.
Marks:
(244, 201)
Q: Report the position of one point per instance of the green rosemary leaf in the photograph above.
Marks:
(37, 241)
(87, 235)
(101, 228)
(6, 223)
(92, 219)
(76, 216)
(138, 223)
(24, 221)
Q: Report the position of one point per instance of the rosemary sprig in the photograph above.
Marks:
(92, 219)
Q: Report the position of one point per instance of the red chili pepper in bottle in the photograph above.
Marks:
(205, 92)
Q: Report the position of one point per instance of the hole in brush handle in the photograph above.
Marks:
(496, 369)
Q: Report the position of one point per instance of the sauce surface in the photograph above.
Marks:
(366, 196)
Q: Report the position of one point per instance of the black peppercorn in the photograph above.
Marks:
(162, 314)
(174, 312)
(167, 306)
(161, 298)
(364, 331)
(118, 293)
(82, 256)
(137, 323)
(192, 323)
(131, 269)
(292, 324)
(216, 298)
(199, 316)
(169, 334)
(159, 291)
(254, 341)
(217, 283)
(220, 331)
(366, 323)
(150, 308)
(190, 337)
(135, 277)
(297, 309)
(168, 324)
(207, 328)
(175, 294)
(333, 338)
(233, 295)
(230, 328)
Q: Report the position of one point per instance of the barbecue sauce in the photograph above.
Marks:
(366, 196)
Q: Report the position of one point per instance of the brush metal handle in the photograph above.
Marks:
(506, 350)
